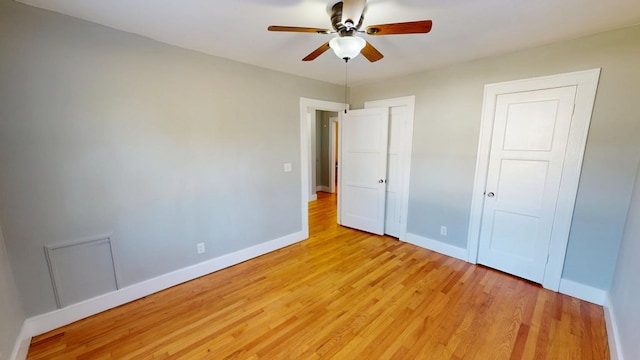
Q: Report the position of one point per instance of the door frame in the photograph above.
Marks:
(410, 103)
(307, 105)
(586, 83)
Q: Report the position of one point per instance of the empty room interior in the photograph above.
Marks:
(312, 179)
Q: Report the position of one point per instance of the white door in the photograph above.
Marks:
(528, 150)
(364, 138)
(395, 171)
(401, 112)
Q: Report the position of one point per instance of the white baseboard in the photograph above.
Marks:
(313, 197)
(21, 347)
(582, 292)
(613, 335)
(323, 188)
(437, 246)
(46, 322)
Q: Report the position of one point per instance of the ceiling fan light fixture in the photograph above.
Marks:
(347, 47)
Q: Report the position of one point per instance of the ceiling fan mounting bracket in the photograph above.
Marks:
(349, 25)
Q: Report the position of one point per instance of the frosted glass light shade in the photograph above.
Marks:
(347, 47)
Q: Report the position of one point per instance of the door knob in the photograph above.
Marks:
(380, 181)
(491, 194)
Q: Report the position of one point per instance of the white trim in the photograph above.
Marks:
(323, 188)
(410, 103)
(613, 334)
(437, 246)
(582, 291)
(586, 83)
(307, 105)
(21, 347)
(46, 322)
(313, 197)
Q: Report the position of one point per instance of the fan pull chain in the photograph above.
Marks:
(346, 62)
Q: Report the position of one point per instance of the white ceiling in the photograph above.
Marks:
(462, 29)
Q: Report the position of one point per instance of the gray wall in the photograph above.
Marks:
(625, 290)
(11, 315)
(447, 121)
(104, 132)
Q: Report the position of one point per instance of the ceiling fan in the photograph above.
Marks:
(346, 18)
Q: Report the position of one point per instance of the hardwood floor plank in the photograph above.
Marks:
(341, 294)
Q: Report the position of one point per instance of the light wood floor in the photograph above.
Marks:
(342, 294)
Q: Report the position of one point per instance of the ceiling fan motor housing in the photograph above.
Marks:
(347, 29)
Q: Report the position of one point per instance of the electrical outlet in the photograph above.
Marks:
(443, 230)
(201, 248)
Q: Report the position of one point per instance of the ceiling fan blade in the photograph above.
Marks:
(372, 54)
(413, 27)
(352, 10)
(298, 29)
(317, 52)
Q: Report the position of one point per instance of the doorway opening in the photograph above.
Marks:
(401, 118)
(309, 108)
(324, 149)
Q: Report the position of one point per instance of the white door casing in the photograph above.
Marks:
(401, 115)
(543, 204)
(363, 168)
(530, 133)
